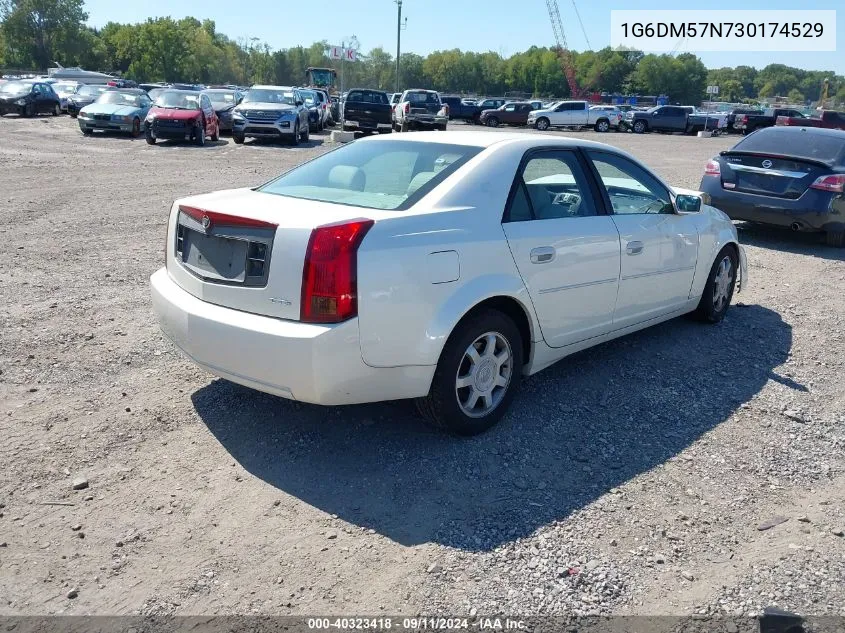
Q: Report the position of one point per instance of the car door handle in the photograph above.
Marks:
(634, 248)
(542, 255)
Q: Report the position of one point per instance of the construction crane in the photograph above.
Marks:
(565, 55)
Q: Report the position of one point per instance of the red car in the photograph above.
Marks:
(184, 115)
(827, 119)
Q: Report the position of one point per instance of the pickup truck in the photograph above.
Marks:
(658, 119)
(574, 114)
(460, 110)
(747, 123)
(367, 111)
(716, 122)
(829, 119)
(420, 110)
(513, 113)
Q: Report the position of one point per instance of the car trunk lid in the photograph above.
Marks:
(769, 175)
(246, 250)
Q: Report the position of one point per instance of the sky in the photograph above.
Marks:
(504, 26)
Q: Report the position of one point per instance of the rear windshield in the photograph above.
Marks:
(389, 175)
(367, 96)
(793, 142)
(422, 97)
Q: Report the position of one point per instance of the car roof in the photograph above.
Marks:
(486, 139)
(267, 87)
(192, 93)
(797, 129)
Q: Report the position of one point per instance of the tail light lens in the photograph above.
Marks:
(407, 107)
(743, 119)
(712, 168)
(330, 275)
(834, 183)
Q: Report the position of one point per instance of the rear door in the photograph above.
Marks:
(508, 113)
(580, 113)
(566, 249)
(659, 249)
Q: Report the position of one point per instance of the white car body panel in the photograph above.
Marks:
(420, 271)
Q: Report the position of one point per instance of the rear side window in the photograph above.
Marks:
(552, 186)
(390, 175)
(794, 142)
(422, 97)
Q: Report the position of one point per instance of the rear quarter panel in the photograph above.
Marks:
(420, 272)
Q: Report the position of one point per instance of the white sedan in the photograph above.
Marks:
(438, 266)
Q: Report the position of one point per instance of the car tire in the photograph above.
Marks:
(238, 138)
(492, 122)
(306, 135)
(296, 133)
(57, 110)
(136, 127)
(719, 289)
(542, 124)
(216, 136)
(403, 127)
(602, 125)
(442, 128)
(73, 115)
(199, 134)
(640, 127)
(835, 238)
(447, 405)
(151, 140)
(30, 111)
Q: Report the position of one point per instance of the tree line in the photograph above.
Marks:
(35, 33)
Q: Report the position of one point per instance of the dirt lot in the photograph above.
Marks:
(635, 478)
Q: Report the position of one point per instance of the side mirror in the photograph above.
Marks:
(238, 102)
(687, 204)
(299, 103)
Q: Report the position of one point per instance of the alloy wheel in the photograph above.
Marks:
(722, 284)
(484, 374)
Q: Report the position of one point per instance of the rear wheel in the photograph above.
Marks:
(404, 126)
(477, 375)
(836, 238)
(640, 127)
(602, 125)
(30, 110)
(57, 110)
(719, 289)
(492, 122)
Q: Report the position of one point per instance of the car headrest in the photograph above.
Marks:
(347, 177)
(419, 180)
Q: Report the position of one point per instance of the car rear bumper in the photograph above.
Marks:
(813, 211)
(320, 364)
(368, 126)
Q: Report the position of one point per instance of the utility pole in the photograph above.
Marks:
(398, 39)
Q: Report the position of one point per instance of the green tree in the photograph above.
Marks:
(38, 32)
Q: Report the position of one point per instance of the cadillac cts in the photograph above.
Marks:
(441, 267)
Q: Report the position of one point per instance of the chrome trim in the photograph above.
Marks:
(574, 286)
(769, 172)
(659, 272)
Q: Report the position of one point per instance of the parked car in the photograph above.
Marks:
(223, 100)
(459, 110)
(271, 112)
(738, 112)
(86, 95)
(155, 92)
(28, 99)
(513, 113)
(829, 119)
(657, 119)
(748, 123)
(698, 121)
(315, 112)
(335, 108)
(65, 90)
(185, 115)
(574, 114)
(367, 111)
(325, 106)
(539, 247)
(785, 176)
(116, 111)
(419, 110)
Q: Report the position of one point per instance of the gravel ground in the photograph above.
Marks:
(685, 469)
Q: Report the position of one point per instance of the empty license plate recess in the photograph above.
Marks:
(213, 257)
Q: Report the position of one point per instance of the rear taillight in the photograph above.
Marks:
(743, 120)
(712, 168)
(407, 107)
(330, 275)
(834, 183)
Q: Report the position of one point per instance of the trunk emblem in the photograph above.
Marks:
(766, 163)
(206, 222)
